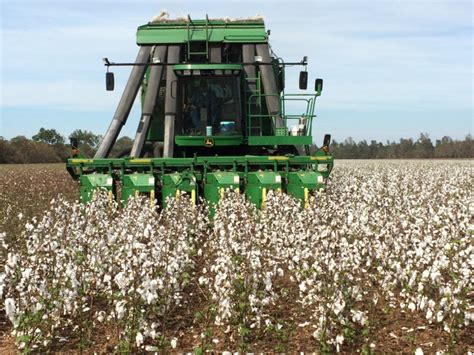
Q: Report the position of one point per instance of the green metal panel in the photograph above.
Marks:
(301, 183)
(280, 140)
(209, 141)
(146, 163)
(135, 184)
(89, 183)
(259, 183)
(218, 31)
(216, 184)
(176, 183)
(251, 173)
(207, 66)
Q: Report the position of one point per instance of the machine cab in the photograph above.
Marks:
(209, 105)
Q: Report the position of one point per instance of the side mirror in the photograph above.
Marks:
(318, 85)
(327, 140)
(303, 80)
(281, 80)
(109, 81)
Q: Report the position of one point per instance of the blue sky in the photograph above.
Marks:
(391, 69)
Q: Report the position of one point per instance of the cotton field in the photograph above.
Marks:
(381, 262)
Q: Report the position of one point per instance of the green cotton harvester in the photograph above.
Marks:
(214, 117)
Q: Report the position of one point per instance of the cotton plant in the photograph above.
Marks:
(237, 270)
(384, 237)
(85, 265)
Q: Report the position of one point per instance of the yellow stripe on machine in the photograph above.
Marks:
(306, 197)
(264, 196)
(78, 161)
(193, 196)
(140, 161)
(278, 157)
(321, 157)
(152, 198)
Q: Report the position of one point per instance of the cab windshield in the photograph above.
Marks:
(210, 106)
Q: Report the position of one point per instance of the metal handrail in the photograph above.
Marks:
(310, 100)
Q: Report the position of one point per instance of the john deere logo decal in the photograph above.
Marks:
(209, 142)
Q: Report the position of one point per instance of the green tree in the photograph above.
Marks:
(88, 141)
(28, 151)
(48, 136)
(424, 147)
(86, 137)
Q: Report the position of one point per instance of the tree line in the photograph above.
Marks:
(405, 148)
(48, 146)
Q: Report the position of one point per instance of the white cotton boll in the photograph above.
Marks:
(338, 307)
(418, 351)
(411, 306)
(12, 260)
(120, 309)
(268, 283)
(10, 310)
(339, 341)
(139, 339)
(468, 317)
(202, 280)
(120, 280)
(151, 348)
(359, 317)
(302, 286)
(350, 218)
(422, 303)
(174, 343)
(150, 297)
(429, 315)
